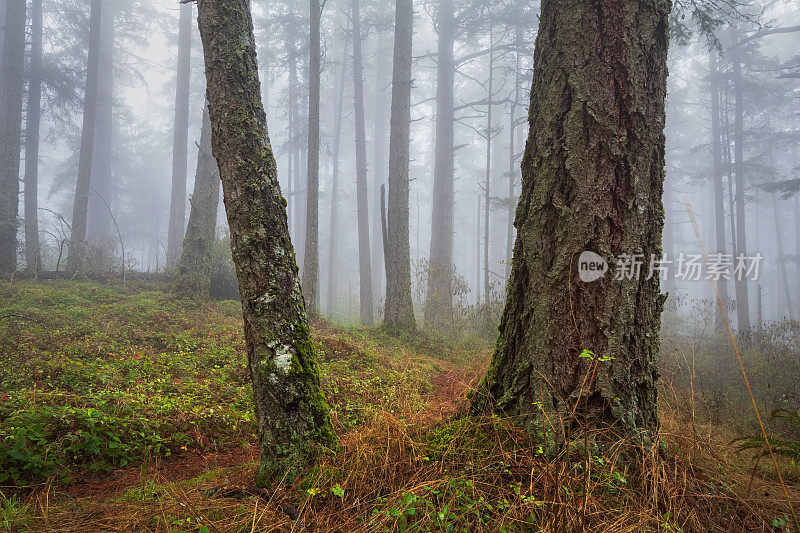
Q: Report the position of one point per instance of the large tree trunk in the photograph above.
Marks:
(439, 298)
(33, 256)
(180, 137)
(719, 193)
(11, 86)
(740, 282)
(311, 256)
(333, 265)
(362, 193)
(399, 310)
(77, 246)
(290, 407)
(592, 180)
(193, 277)
(98, 225)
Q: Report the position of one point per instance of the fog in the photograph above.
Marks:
(132, 170)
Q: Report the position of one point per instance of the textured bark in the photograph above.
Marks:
(77, 246)
(293, 418)
(740, 285)
(592, 179)
(311, 256)
(362, 193)
(439, 298)
(719, 193)
(98, 225)
(333, 266)
(11, 85)
(180, 137)
(399, 309)
(33, 256)
(193, 277)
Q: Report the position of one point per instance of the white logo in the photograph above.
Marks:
(591, 267)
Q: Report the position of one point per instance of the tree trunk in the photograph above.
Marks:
(439, 298)
(11, 87)
(399, 310)
(193, 276)
(487, 293)
(592, 180)
(512, 162)
(333, 266)
(787, 293)
(379, 165)
(719, 193)
(742, 299)
(77, 246)
(362, 194)
(180, 137)
(98, 225)
(33, 256)
(290, 407)
(311, 256)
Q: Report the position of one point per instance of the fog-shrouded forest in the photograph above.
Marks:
(411, 265)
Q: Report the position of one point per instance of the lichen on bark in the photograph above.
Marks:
(293, 417)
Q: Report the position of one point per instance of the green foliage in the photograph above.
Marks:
(785, 447)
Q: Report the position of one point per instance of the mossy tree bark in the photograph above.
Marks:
(193, 277)
(293, 417)
(399, 311)
(11, 86)
(592, 179)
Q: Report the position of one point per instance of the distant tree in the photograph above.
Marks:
(33, 257)
(11, 87)
(311, 256)
(362, 193)
(290, 407)
(77, 246)
(177, 206)
(193, 276)
(592, 179)
(399, 309)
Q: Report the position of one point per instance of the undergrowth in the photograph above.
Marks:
(120, 407)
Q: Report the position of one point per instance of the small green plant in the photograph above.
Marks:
(588, 354)
(786, 447)
(13, 513)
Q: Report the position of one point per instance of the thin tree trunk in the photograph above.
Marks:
(33, 256)
(439, 298)
(362, 193)
(11, 87)
(293, 418)
(311, 256)
(719, 193)
(592, 179)
(512, 163)
(740, 282)
(487, 181)
(180, 138)
(77, 247)
(333, 265)
(399, 313)
(193, 275)
(379, 165)
(787, 293)
(478, 254)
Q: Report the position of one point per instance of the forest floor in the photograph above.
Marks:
(122, 409)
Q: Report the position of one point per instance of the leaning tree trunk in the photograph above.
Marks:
(592, 180)
(399, 309)
(11, 86)
(334, 220)
(180, 137)
(293, 418)
(362, 198)
(193, 277)
(77, 246)
(439, 298)
(311, 255)
(33, 256)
